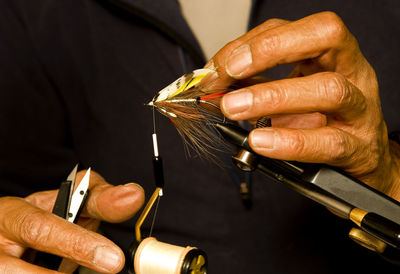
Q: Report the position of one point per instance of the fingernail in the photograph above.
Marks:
(126, 191)
(107, 258)
(239, 61)
(129, 185)
(237, 101)
(263, 138)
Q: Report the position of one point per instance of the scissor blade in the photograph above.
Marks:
(72, 175)
(63, 199)
(78, 198)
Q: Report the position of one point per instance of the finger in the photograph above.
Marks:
(220, 79)
(300, 121)
(321, 36)
(70, 266)
(111, 203)
(322, 145)
(12, 248)
(304, 120)
(326, 92)
(13, 265)
(44, 199)
(23, 223)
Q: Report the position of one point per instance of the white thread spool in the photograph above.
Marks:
(154, 257)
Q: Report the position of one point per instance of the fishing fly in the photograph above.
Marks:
(193, 112)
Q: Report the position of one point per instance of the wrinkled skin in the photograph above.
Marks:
(326, 111)
(28, 223)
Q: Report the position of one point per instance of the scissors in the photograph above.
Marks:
(68, 205)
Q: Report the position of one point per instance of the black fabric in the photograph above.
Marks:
(74, 77)
(395, 136)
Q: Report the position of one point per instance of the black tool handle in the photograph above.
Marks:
(61, 205)
(382, 227)
(47, 260)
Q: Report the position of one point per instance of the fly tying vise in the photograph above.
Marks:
(150, 256)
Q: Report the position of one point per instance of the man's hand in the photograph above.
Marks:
(28, 223)
(328, 109)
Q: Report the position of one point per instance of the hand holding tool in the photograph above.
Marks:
(67, 206)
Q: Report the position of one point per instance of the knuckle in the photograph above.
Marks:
(273, 97)
(342, 93)
(335, 87)
(342, 149)
(274, 22)
(359, 101)
(270, 44)
(34, 228)
(297, 145)
(79, 245)
(335, 29)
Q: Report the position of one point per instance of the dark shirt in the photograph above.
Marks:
(74, 77)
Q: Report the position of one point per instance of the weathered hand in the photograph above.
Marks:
(28, 223)
(328, 109)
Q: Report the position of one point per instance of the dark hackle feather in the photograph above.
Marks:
(194, 114)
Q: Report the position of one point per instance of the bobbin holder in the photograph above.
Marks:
(374, 212)
(193, 260)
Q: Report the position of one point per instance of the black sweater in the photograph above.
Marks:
(74, 77)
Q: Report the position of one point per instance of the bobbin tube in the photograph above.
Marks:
(145, 212)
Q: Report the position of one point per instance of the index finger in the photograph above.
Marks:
(24, 223)
(219, 79)
(322, 37)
